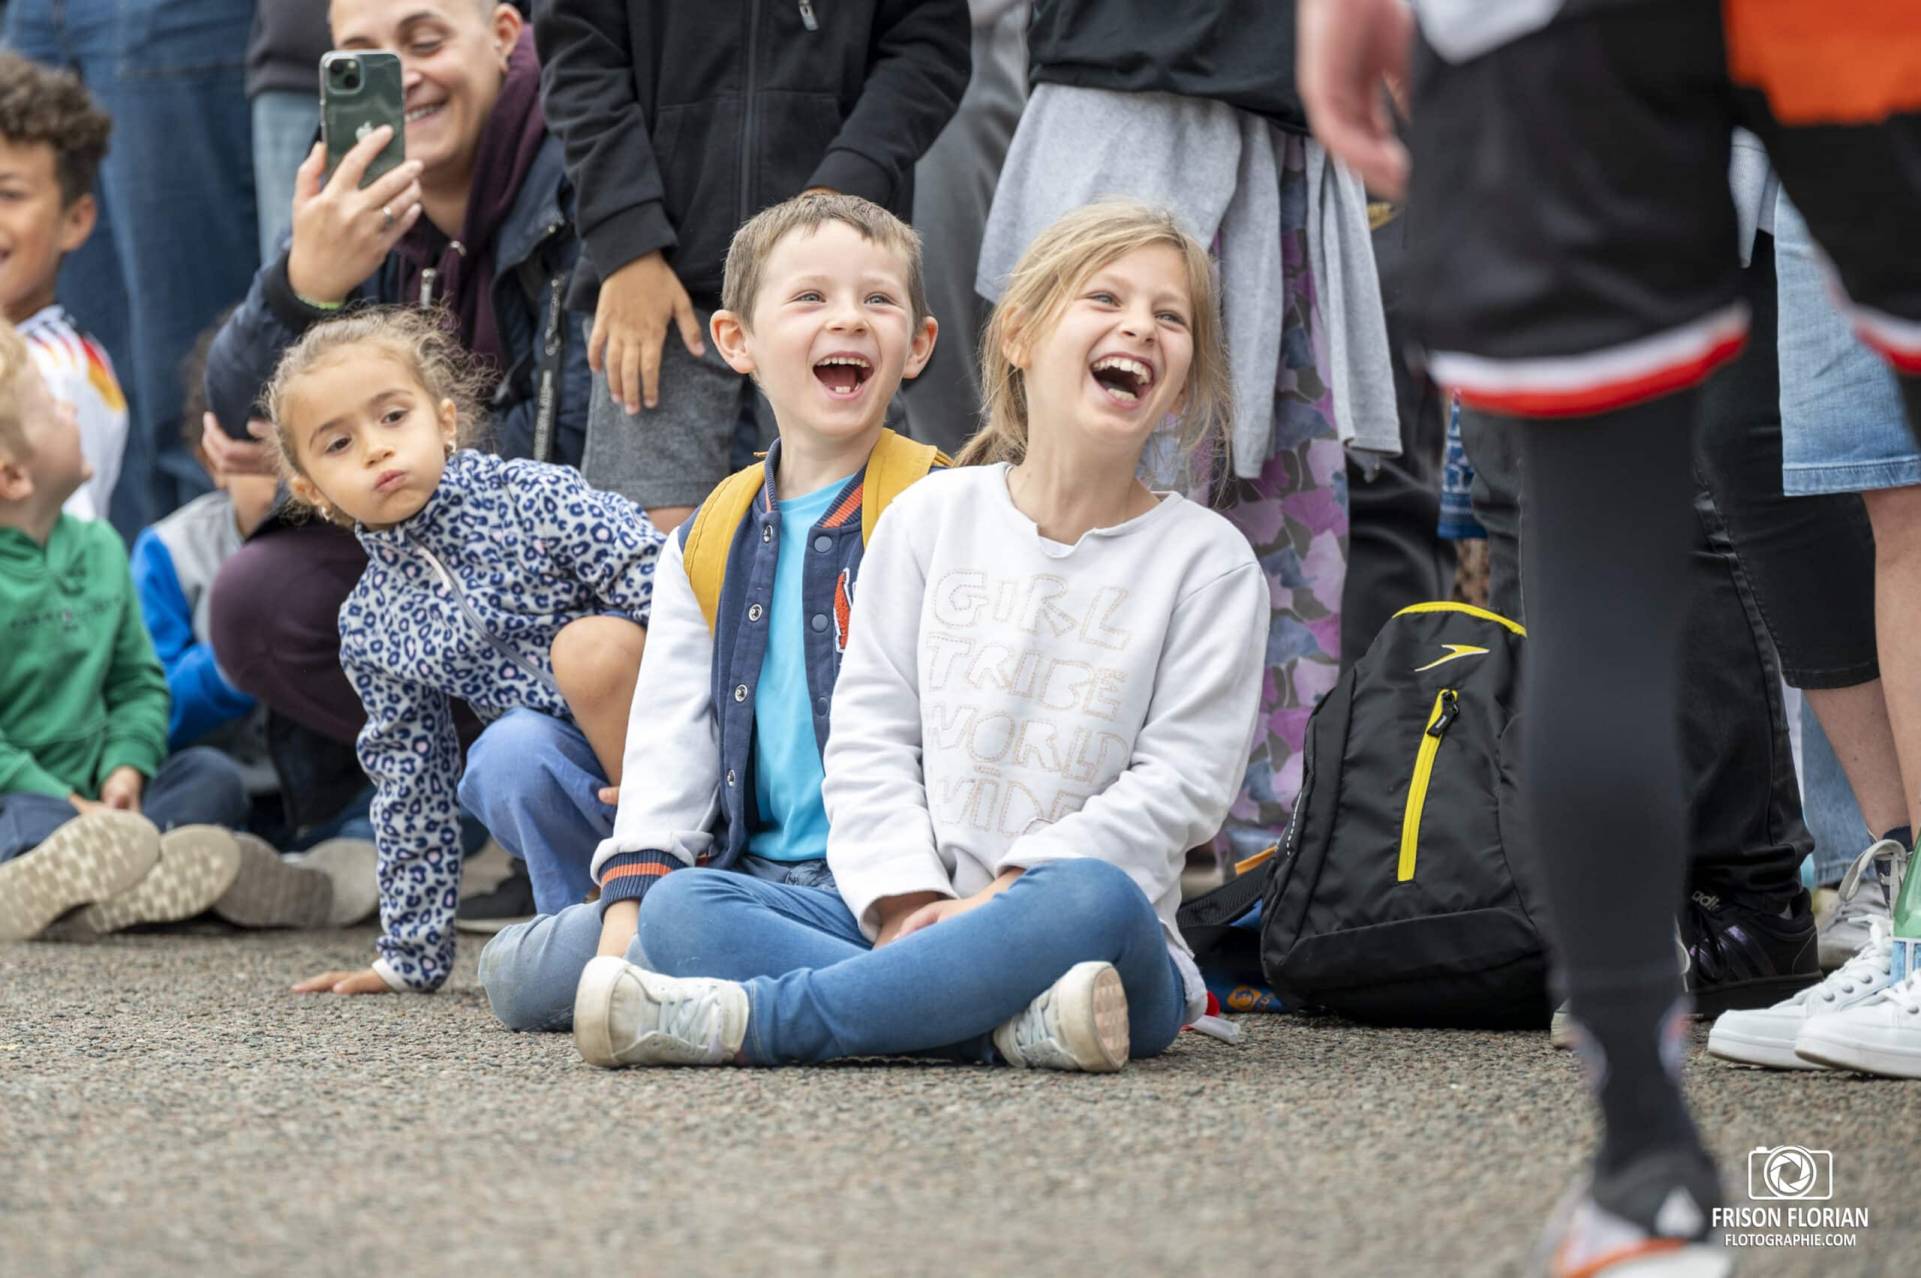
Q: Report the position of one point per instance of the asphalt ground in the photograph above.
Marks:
(167, 1107)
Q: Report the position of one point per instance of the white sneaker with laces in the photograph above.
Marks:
(1879, 1036)
(626, 1015)
(1078, 1023)
(1846, 930)
(1767, 1036)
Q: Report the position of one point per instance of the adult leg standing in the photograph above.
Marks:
(953, 191)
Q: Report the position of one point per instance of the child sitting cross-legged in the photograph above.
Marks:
(86, 784)
(1051, 682)
(824, 308)
(510, 585)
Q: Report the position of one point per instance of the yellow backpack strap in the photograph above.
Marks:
(895, 463)
(711, 539)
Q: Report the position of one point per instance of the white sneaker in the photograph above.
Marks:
(353, 866)
(1879, 1036)
(626, 1015)
(197, 864)
(1767, 1036)
(90, 858)
(1846, 930)
(1078, 1022)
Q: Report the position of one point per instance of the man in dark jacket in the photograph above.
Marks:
(680, 122)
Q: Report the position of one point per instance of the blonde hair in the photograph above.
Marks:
(16, 362)
(754, 242)
(417, 339)
(1056, 265)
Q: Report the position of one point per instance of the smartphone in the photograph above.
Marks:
(359, 92)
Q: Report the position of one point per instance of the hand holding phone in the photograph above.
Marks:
(343, 231)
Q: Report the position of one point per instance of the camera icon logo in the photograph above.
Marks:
(1790, 1172)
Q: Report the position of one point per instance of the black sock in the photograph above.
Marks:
(1627, 1038)
(1901, 834)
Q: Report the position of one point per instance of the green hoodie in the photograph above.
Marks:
(81, 692)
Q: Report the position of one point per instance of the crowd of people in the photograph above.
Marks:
(1051, 397)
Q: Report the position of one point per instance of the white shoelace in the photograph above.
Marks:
(694, 1020)
(1870, 962)
(1906, 994)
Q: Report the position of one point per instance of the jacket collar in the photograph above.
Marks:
(839, 514)
(439, 525)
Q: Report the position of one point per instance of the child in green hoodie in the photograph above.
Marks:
(86, 785)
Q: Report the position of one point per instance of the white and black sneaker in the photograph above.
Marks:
(1652, 1219)
(510, 902)
(1078, 1023)
(626, 1015)
(1767, 1036)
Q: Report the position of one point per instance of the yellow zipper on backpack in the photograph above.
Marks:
(1447, 707)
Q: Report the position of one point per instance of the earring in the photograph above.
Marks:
(449, 447)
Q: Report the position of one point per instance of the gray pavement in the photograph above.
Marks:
(167, 1107)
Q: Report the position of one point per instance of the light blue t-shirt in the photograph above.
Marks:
(787, 771)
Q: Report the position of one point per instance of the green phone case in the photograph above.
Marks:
(360, 92)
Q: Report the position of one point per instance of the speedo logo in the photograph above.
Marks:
(1455, 651)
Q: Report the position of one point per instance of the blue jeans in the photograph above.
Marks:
(534, 782)
(284, 124)
(1843, 429)
(197, 786)
(818, 991)
(530, 970)
(176, 240)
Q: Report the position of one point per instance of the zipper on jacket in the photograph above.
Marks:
(480, 627)
(747, 109)
(1447, 708)
(429, 275)
(807, 18)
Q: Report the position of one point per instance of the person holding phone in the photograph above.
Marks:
(478, 221)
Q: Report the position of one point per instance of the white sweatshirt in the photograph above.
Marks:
(1043, 701)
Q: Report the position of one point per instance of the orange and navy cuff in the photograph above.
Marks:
(627, 875)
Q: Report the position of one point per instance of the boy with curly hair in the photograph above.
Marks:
(52, 141)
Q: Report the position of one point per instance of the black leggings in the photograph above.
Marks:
(1610, 523)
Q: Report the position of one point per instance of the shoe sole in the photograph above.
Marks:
(593, 1007)
(270, 892)
(197, 864)
(352, 866)
(1743, 1049)
(1696, 1260)
(1750, 996)
(89, 859)
(1864, 1058)
(1097, 1037)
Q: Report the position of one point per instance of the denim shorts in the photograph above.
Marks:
(1842, 425)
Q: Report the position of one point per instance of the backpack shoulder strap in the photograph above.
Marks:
(711, 539)
(895, 463)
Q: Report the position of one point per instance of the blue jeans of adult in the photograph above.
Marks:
(817, 989)
(284, 124)
(530, 970)
(534, 782)
(197, 786)
(176, 240)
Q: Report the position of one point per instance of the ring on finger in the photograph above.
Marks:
(387, 216)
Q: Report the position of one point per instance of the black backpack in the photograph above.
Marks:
(1392, 899)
